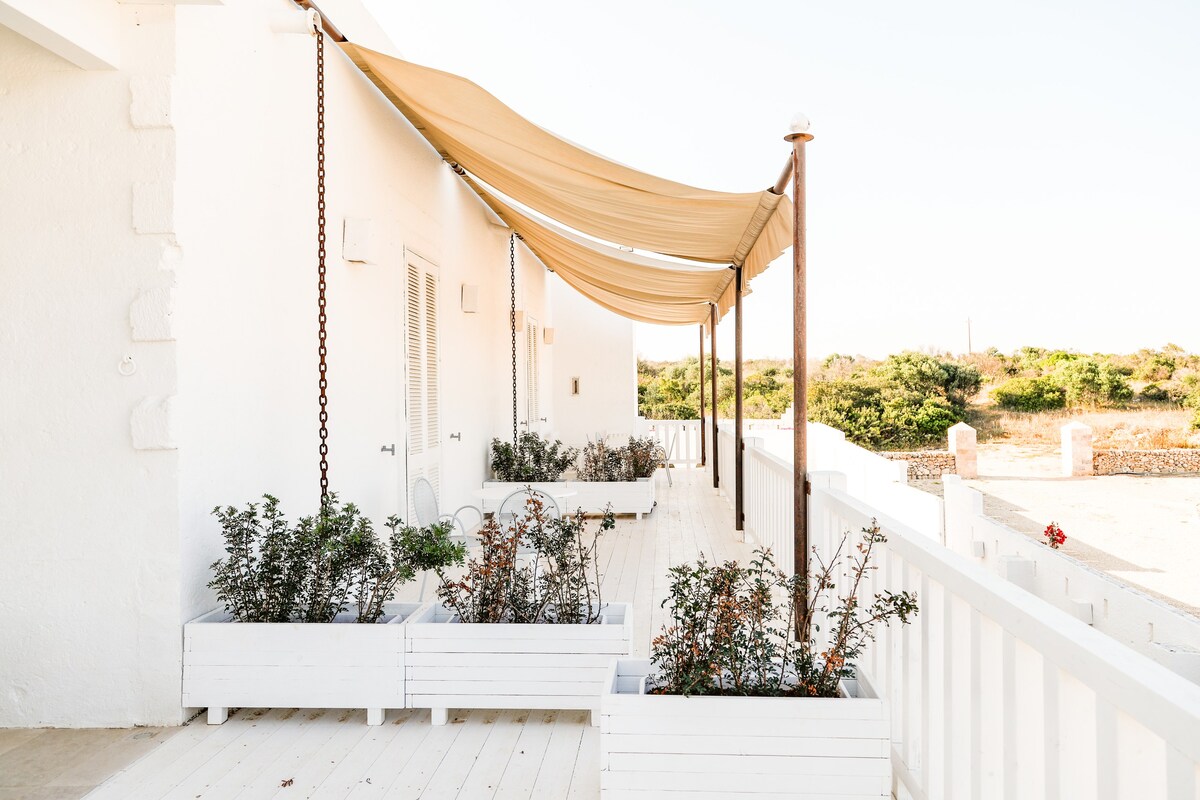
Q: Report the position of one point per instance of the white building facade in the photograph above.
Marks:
(158, 326)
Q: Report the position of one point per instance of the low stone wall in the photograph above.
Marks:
(925, 465)
(1156, 462)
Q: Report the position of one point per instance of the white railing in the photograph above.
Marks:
(996, 693)
(680, 438)
(1149, 626)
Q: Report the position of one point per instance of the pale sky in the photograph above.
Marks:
(1034, 166)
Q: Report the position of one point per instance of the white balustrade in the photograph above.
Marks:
(996, 693)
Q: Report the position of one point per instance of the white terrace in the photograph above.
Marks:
(333, 754)
(993, 691)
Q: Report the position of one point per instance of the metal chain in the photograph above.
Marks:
(512, 317)
(322, 351)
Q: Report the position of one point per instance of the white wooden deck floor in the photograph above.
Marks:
(291, 753)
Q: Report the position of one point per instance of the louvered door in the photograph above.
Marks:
(422, 375)
(532, 386)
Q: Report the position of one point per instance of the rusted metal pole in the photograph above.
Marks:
(702, 453)
(738, 445)
(716, 436)
(800, 489)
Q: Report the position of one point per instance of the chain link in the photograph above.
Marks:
(322, 351)
(512, 312)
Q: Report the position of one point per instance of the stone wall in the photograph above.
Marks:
(925, 465)
(1161, 462)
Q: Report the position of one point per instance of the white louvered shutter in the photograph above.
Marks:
(422, 373)
(532, 404)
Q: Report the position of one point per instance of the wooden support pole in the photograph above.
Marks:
(702, 448)
(716, 436)
(738, 444)
(799, 351)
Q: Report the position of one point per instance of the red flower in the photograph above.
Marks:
(1054, 535)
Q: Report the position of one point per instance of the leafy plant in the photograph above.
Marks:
(274, 572)
(1029, 394)
(755, 631)
(533, 460)
(630, 462)
(263, 573)
(560, 583)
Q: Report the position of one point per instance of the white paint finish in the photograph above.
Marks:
(751, 746)
(1116, 709)
(84, 32)
(257, 665)
(152, 424)
(151, 101)
(248, 374)
(599, 347)
(150, 315)
(1076, 588)
(90, 592)
(623, 497)
(471, 665)
(356, 240)
(154, 207)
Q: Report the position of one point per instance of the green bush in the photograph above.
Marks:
(1087, 382)
(1192, 401)
(669, 411)
(1029, 394)
(314, 570)
(533, 460)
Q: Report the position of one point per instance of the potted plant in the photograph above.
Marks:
(308, 620)
(525, 626)
(750, 687)
(531, 462)
(620, 478)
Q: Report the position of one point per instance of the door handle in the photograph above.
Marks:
(388, 448)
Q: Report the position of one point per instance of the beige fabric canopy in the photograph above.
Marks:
(635, 286)
(591, 194)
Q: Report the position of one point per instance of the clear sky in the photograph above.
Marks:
(1034, 166)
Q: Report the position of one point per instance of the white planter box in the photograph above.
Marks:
(490, 506)
(230, 664)
(481, 665)
(739, 747)
(625, 497)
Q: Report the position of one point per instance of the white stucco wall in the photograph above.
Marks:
(89, 554)
(596, 346)
(165, 210)
(247, 304)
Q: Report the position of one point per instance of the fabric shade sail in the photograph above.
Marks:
(632, 285)
(574, 186)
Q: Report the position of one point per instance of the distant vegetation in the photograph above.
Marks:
(911, 399)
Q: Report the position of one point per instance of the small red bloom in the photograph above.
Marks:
(1054, 535)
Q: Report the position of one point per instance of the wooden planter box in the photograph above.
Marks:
(342, 664)
(490, 506)
(707, 747)
(480, 665)
(625, 497)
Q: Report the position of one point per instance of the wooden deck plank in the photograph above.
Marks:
(520, 774)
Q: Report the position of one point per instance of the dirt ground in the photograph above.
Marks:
(1143, 529)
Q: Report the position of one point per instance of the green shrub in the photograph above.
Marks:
(1088, 382)
(313, 571)
(629, 462)
(853, 406)
(1192, 401)
(533, 460)
(669, 411)
(1029, 394)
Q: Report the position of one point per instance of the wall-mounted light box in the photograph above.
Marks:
(548, 335)
(470, 298)
(356, 240)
